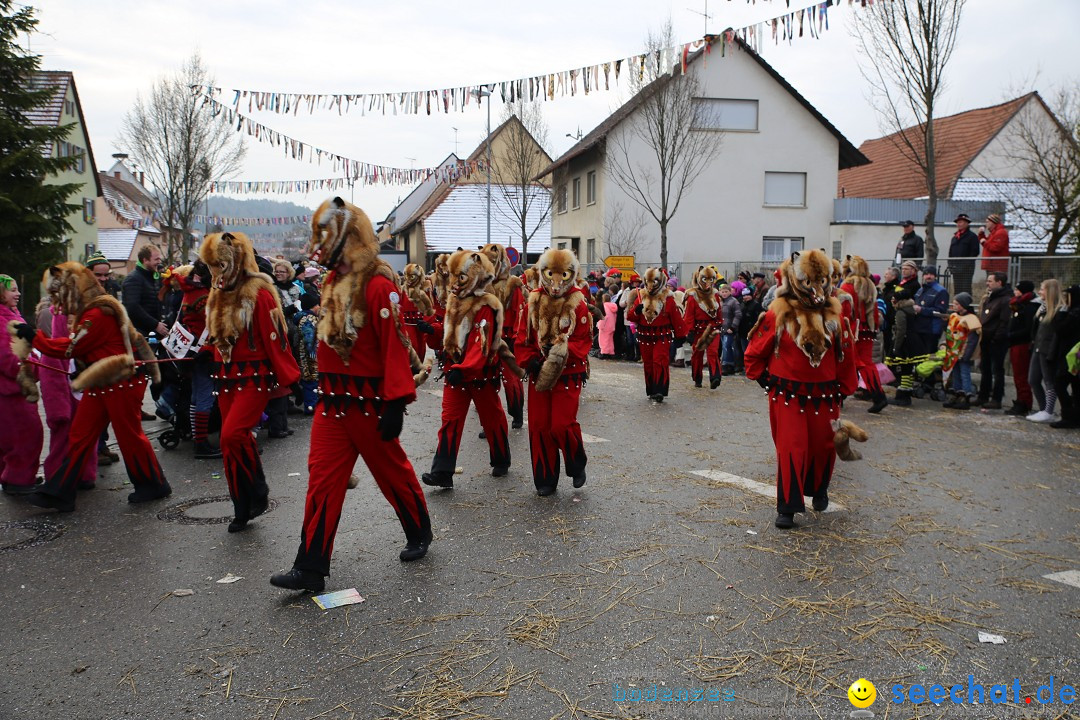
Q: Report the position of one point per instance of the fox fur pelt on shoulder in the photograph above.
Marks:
(804, 307)
(653, 294)
(463, 303)
(553, 312)
(504, 283)
(416, 289)
(857, 272)
(234, 288)
(74, 290)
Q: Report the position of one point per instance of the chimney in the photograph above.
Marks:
(116, 174)
(141, 176)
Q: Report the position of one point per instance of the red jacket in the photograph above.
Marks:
(995, 245)
(259, 356)
(527, 346)
(695, 319)
(788, 371)
(479, 363)
(102, 339)
(513, 309)
(378, 367)
(668, 324)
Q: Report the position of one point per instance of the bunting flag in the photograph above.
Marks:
(355, 170)
(241, 187)
(250, 221)
(812, 19)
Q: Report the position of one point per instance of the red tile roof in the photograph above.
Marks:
(959, 139)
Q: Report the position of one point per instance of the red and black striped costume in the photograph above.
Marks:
(655, 338)
(804, 400)
(696, 319)
(410, 317)
(260, 362)
(513, 309)
(864, 341)
(119, 403)
(352, 396)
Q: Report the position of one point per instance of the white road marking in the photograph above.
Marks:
(587, 438)
(754, 486)
(1068, 577)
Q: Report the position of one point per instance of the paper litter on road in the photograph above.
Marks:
(229, 578)
(184, 592)
(751, 532)
(294, 474)
(338, 598)
(989, 638)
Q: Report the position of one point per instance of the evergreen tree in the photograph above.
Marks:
(32, 213)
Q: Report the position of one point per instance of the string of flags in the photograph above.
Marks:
(355, 170)
(250, 221)
(278, 186)
(811, 20)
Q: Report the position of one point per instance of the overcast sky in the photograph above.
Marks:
(118, 48)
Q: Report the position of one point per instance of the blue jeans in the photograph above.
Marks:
(961, 377)
(727, 349)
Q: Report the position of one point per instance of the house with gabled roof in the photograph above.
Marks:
(64, 108)
(769, 191)
(978, 166)
(127, 213)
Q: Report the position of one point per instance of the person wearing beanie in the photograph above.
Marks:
(994, 340)
(731, 311)
(1021, 324)
(1066, 326)
(994, 239)
(961, 341)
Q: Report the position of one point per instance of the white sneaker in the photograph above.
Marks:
(1041, 417)
(1034, 415)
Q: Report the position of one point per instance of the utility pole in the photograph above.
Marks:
(479, 94)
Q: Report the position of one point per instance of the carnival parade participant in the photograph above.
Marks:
(802, 353)
(509, 290)
(366, 379)
(705, 322)
(416, 309)
(658, 324)
(247, 329)
(553, 346)
(866, 321)
(20, 443)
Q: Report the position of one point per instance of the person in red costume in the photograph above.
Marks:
(658, 324)
(365, 381)
(553, 344)
(802, 353)
(703, 319)
(439, 280)
(865, 321)
(416, 308)
(509, 290)
(103, 338)
(994, 239)
(474, 352)
(247, 330)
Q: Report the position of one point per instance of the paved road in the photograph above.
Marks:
(665, 571)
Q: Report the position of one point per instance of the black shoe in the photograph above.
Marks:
(415, 549)
(438, 479)
(258, 506)
(500, 470)
(821, 502)
(86, 485)
(579, 479)
(545, 491)
(146, 493)
(297, 579)
(237, 525)
(784, 521)
(50, 502)
(879, 405)
(147, 417)
(205, 451)
(862, 394)
(482, 435)
(980, 401)
(19, 490)
(1064, 424)
(279, 434)
(1018, 409)
(104, 460)
(902, 399)
(657, 397)
(697, 383)
(715, 383)
(992, 405)
(113, 457)
(961, 403)
(517, 423)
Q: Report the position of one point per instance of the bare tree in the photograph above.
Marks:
(623, 231)
(181, 148)
(1048, 150)
(906, 46)
(517, 197)
(656, 157)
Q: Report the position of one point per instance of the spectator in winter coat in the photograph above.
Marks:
(732, 313)
(906, 345)
(961, 341)
(751, 309)
(1021, 325)
(994, 239)
(1043, 366)
(1066, 327)
(994, 343)
(140, 293)
(910, 246)
(760, 285)
(931, 308)
(963, 250)
(890, 284)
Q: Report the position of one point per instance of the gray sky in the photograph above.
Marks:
(118, 48)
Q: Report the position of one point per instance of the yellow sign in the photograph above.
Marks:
(623, 262)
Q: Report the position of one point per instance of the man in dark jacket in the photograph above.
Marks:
(910, 246)
(140, 293)
(1021, 324)
(931, 309)
(994, 343)
(964, 245)
(890, 282)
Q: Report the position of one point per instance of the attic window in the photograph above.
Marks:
(725, 114)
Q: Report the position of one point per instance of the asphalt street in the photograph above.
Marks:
(662, 577)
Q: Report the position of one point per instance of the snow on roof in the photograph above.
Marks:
(116, 243)
(1023, 202)
(460, 220)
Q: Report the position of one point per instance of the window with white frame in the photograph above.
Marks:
(561, 198)
(590, 249)
(785, 189)
(577, 193)
(88, 211)
(725, 114)
(777, 249)
(590, 187)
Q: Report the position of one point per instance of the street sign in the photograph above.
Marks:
(623, 262)
(512, 255)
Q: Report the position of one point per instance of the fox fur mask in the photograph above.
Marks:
(654, 293)
(558, 270)
(806, 309)
(857, 272)
(416, 288)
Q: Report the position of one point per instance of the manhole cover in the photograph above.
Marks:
(179, 513)
(22, 534)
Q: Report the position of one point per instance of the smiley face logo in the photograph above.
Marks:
(862, 693)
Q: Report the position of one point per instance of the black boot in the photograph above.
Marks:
(784, 521)
(657, 397)
(961, 403)
(518, 421)
(821, 501)
(697, 383)
(715, 382)
(50, 502)
(500, 470)
(879, 404)
(205, 451)
(1018, 408)
(438, 479)
(579, 479)
(902, 399)
(1069, 419)
(415, 549)
(147, 493)
(297, 579)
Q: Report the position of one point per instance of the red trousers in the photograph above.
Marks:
(656, 361)
(513, 388)
(553, 428)
(121, 405)
(698, 356)
(1020, 356)
(867, 370)
(20, 440)
(805, 454)
(241, 411)
(335, 445)
(455, 406)
(59, 412)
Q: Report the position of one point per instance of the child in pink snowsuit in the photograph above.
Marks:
(606, 328)
(60, 401)
(21, 435)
